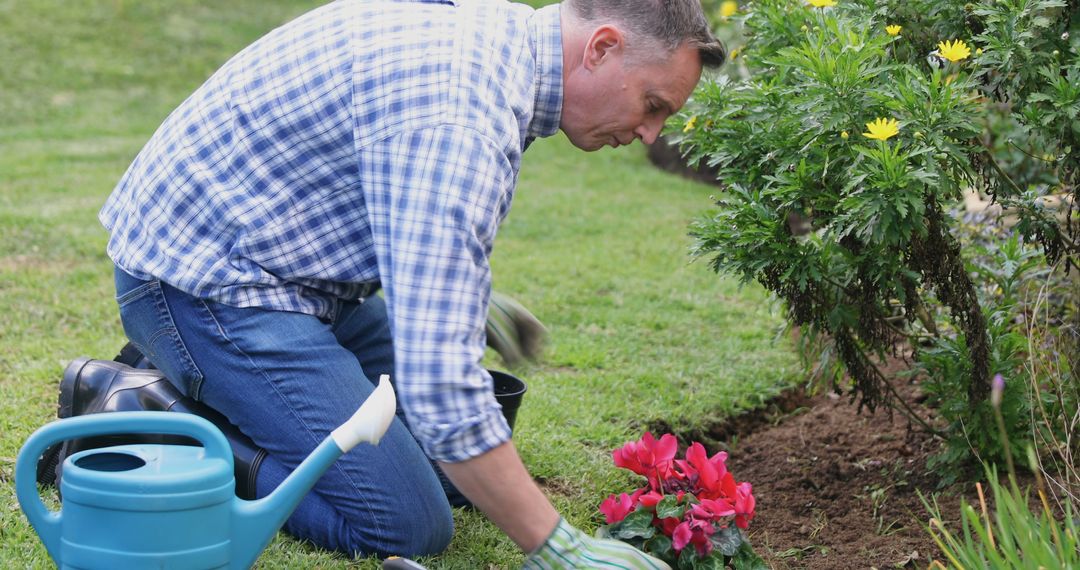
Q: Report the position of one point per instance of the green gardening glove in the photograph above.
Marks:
(513, 331)
(568, 547)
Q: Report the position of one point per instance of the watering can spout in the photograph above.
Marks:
(261, 518)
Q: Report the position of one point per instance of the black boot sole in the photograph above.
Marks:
(68, 385)
(47, 464)
(50, 460)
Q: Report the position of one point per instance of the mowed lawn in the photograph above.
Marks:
(596, 246)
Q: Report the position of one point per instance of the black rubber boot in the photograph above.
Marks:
(96, 386)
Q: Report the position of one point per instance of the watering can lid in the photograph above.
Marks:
(146, 471)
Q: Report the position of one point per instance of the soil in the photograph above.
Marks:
(838, 489)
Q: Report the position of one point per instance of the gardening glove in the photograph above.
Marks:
(568, 547)
(513, 331)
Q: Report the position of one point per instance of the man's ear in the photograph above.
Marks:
(605, 43)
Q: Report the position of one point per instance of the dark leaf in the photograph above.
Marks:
(727, 540)
(747, 559)
(668, 507)
(637, 524)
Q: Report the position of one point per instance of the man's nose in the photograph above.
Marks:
(649, 130)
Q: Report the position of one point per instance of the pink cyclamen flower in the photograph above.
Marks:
(708, 472)
(693, 531)
(681, 537)
(668, 526)
(650, 499)
(615, 508)
(649, 457)
(744, 505)
(712, 510)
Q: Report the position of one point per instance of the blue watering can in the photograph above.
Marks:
(170, 506)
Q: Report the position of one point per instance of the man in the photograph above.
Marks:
(366, 145)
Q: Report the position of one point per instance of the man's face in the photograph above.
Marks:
(610, 100)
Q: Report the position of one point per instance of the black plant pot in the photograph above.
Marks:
(509, 390)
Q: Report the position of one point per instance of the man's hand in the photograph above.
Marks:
(568, 547)
(513, 331)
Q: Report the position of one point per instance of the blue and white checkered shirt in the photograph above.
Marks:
(367, 141)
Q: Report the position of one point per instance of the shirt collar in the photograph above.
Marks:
(545, 38)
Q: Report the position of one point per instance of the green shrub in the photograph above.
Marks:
(871, 138)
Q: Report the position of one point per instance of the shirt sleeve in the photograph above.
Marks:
(435, 198)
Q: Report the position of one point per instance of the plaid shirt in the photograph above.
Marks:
(365, 142)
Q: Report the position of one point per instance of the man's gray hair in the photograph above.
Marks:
(669, 23)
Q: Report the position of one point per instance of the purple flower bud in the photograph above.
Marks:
(997, 388)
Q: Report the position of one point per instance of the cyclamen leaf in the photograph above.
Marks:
(727, 540)
(637, 524)
(668, 507)
(688, 559)
(660, 547)
(747, 559)
(714, 561)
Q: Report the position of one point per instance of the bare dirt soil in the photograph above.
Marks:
(837, 489)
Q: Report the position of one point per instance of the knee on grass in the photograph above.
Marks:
(408, 533)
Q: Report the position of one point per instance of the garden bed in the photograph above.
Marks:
(838, 489)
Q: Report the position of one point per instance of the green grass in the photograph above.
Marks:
(595, 246)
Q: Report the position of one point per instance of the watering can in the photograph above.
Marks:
(170, 506)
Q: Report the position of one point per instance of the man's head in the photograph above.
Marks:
(630, 64)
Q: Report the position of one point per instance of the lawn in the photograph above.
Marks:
(595, 245)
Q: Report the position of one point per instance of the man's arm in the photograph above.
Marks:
(498, 484)
(435, 198)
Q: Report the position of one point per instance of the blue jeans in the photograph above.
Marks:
(287, 380)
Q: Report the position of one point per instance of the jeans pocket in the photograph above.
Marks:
(149, 325)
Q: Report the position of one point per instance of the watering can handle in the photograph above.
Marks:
(371, 421)
(47, 523)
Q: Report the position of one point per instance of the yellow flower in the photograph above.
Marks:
(843, 135)
(690, 124)
(734, 53)
(728, 8)
(822, 3)
(893, 30)
(978, 51)
(955, 51)
(882, 129)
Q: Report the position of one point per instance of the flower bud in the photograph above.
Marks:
(1055, 53)
(1065, 36)
(804, 28)
(843, 135)
(918, 134)
(997, 390)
